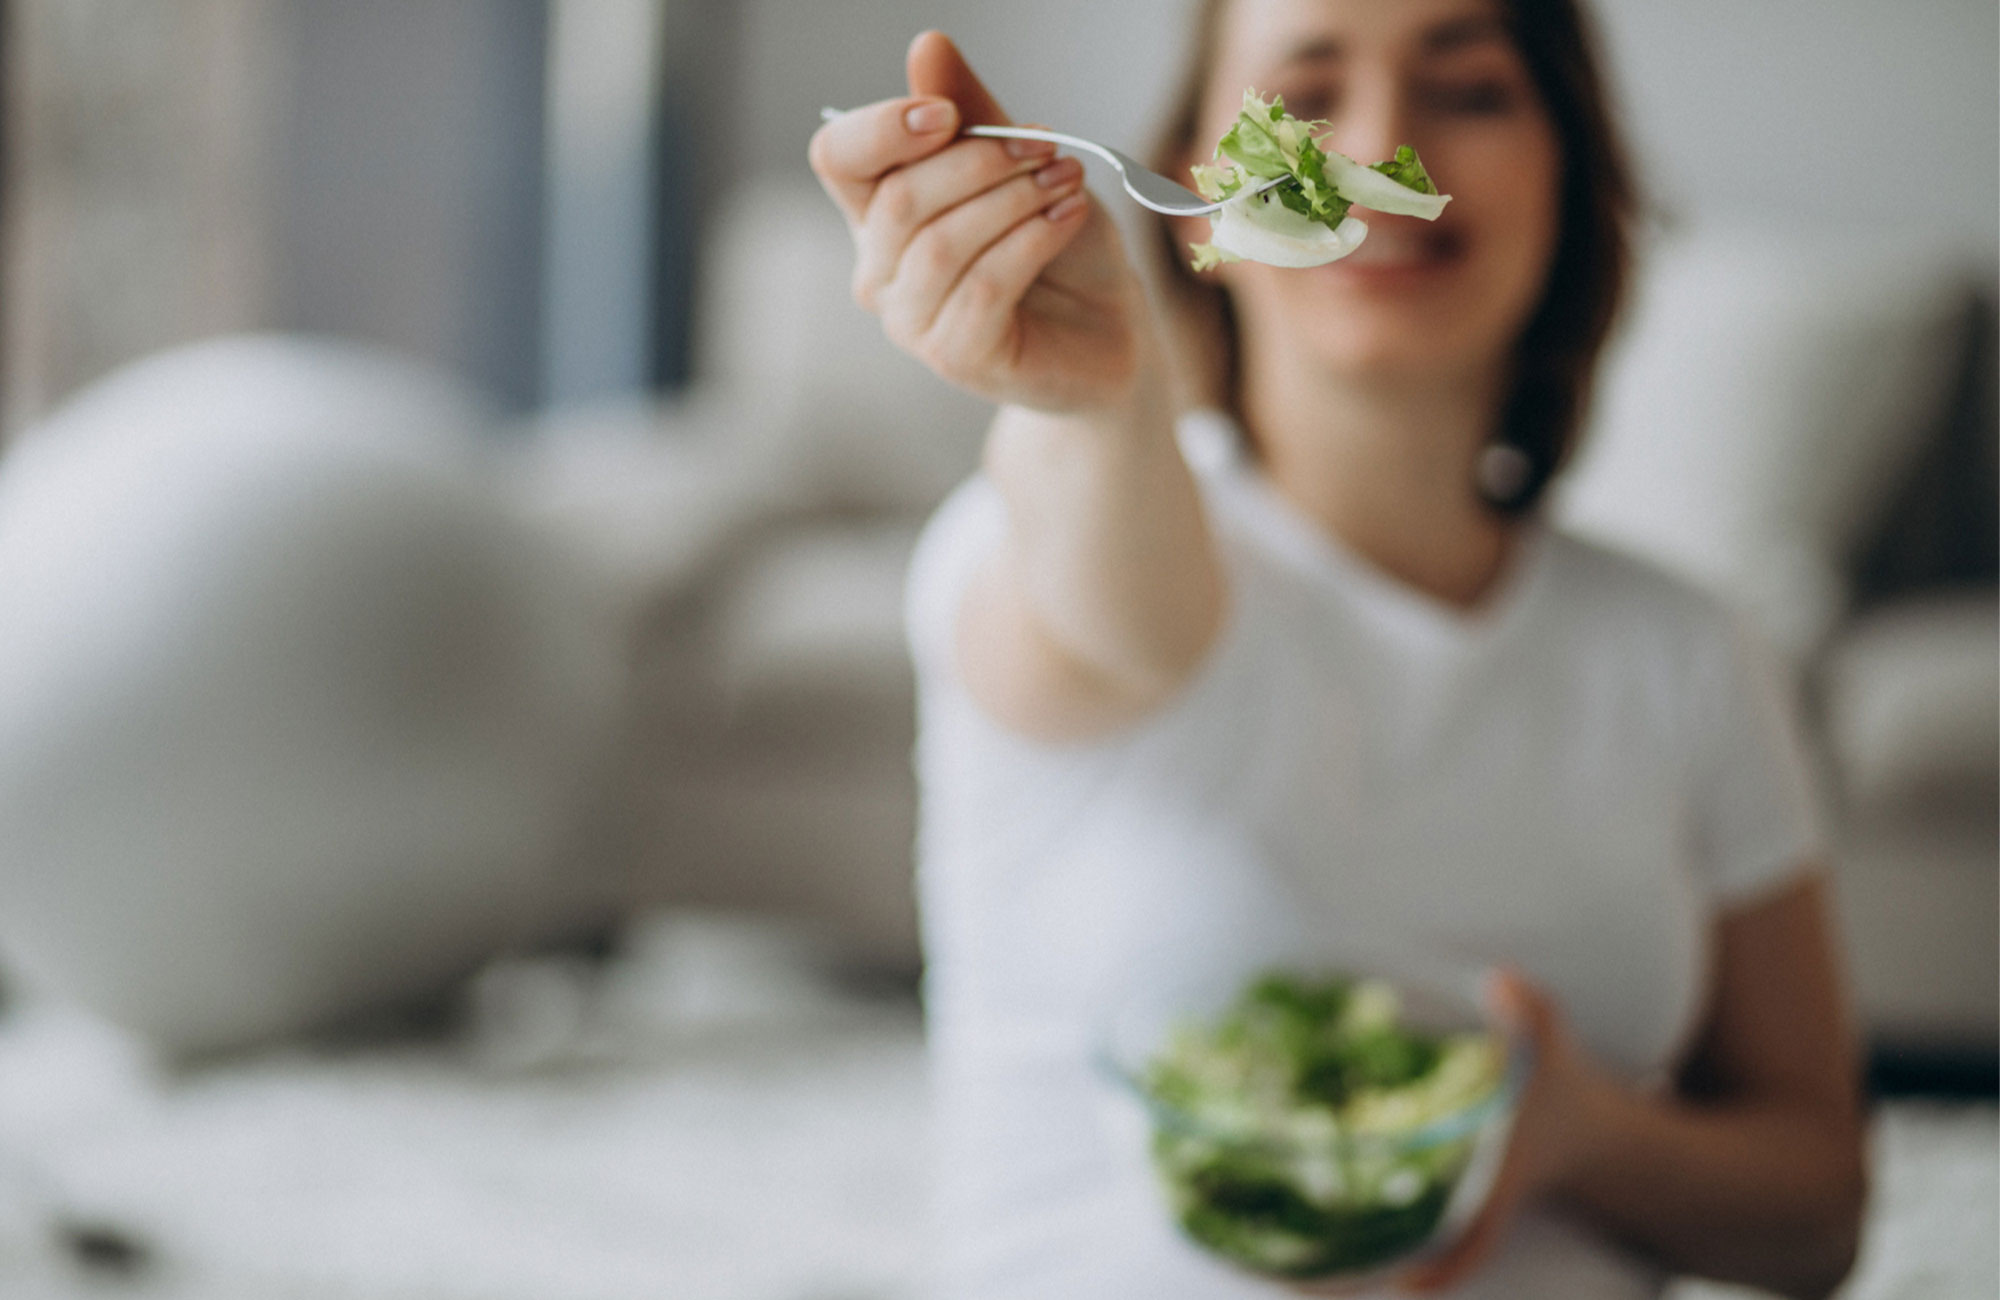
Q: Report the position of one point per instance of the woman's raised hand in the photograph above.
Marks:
(992, 266)
(984, 259)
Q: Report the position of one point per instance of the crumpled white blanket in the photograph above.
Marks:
(703, 1118)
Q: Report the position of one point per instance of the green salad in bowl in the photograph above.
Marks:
(1317, 1126)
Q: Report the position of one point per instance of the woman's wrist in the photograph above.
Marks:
(1601, 1112)
(1141, 395)
(1121, 425)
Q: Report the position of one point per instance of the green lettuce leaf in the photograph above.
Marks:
(1407, 170)
(1207, 256)
(1216, 183)
(1267, 143)
(1254, 143)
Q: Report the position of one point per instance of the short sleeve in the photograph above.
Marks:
(967, 529)
(1757, 820)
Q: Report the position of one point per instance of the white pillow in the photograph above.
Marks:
(1764, 398)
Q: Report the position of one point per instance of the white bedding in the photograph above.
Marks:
(702, 1124)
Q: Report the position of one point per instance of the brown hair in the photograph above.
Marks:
(1558, 350)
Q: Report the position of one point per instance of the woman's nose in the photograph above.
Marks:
(1373, 119)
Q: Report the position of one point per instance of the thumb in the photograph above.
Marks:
(1519, 1005)
(935, 67)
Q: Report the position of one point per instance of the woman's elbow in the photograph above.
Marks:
(1837, 1235)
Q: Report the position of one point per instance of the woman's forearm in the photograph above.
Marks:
(1766, 1195)
(1109, 553)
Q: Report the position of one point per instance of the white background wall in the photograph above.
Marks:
(1815, 113)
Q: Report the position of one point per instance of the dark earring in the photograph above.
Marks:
(1502, 474)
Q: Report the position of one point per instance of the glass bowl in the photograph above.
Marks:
(1330, 1163)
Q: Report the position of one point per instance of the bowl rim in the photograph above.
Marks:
(1463, 1122)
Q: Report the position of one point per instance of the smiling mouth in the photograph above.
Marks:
(1394, 245)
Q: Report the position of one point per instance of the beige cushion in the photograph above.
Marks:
(651, 495)
(1918, 904)
(1912, 706)
(778, 778)
(819, 612)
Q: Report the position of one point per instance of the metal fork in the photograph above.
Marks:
(1147, 187)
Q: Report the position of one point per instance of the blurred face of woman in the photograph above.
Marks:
(1418, 298)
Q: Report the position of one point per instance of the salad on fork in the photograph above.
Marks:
(1303, 219)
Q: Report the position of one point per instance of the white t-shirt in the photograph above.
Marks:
(1572, 781)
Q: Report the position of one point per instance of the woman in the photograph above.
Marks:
(1312, 674)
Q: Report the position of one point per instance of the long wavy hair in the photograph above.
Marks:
(1556, 356)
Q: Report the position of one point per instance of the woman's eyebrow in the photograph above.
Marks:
(1314, 49)
(1458, 33)
(1449, 35)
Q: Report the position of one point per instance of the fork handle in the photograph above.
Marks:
(1021, 133)
(1053, 137)
(1013, 133)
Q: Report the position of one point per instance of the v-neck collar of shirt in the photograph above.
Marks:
(1413, 617)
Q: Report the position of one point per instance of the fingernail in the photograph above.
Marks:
(1069, 207)
(1029, 148)
(1059, 172)
(926, 118)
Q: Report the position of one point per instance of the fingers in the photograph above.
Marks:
(854, 151)
(950, 234)
(982, 255)
(1530, 1014)
(1527, 1012)
(1480, 1238)
(910, 198)
(1453, 1267)
(979, 314)
(935, 67)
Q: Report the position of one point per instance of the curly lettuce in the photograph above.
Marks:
(1281, 1135)
(1286, 200)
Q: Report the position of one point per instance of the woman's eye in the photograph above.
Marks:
(1476, 98)
(1310, 105)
